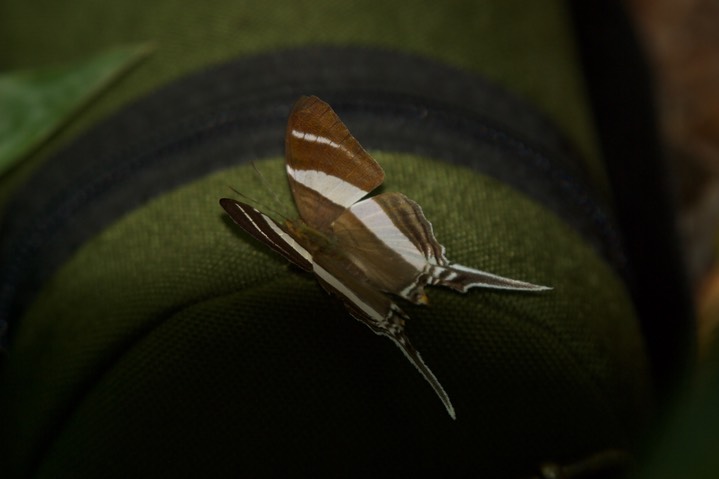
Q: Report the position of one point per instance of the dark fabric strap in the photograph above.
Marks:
(237, 112)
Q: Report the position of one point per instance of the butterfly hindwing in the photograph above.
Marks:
(389, 238)
(382, 236)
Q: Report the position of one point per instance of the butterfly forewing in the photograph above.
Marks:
(327, 168)
(266, 230)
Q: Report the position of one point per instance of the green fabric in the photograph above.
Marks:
(36, 103)
(526, 46)
(172, 343)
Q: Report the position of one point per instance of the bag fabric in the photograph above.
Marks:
(148, 336)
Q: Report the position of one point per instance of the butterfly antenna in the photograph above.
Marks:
(257, 203)
(278, 206)
(266, 184)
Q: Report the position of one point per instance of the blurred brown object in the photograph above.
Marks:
(708, 310)
(681, 39)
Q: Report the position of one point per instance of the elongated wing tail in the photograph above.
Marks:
(462, 278)
(402, 341)
(265, 229)
(376, 310)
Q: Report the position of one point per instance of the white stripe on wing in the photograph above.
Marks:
(311, 137)
(286, 238)
(348, 293)
(376, 219)
(331, 187)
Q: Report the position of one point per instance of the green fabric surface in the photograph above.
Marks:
(525, 46)
(172, 343)
(35, 103)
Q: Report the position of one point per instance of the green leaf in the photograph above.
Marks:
(35, 104)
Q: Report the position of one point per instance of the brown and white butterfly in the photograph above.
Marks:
(359, 250)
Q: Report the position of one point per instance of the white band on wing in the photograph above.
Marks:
(379, 222)
(331, 187)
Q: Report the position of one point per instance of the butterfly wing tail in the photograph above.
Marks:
(402, 341)
(462, 278)
(376, 310)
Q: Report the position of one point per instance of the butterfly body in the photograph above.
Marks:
(312, 239)
(360, 250)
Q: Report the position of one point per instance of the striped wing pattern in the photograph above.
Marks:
(265, 229)
(359, 250)
(389, 237)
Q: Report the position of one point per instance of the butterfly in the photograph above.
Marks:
(360, 250)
